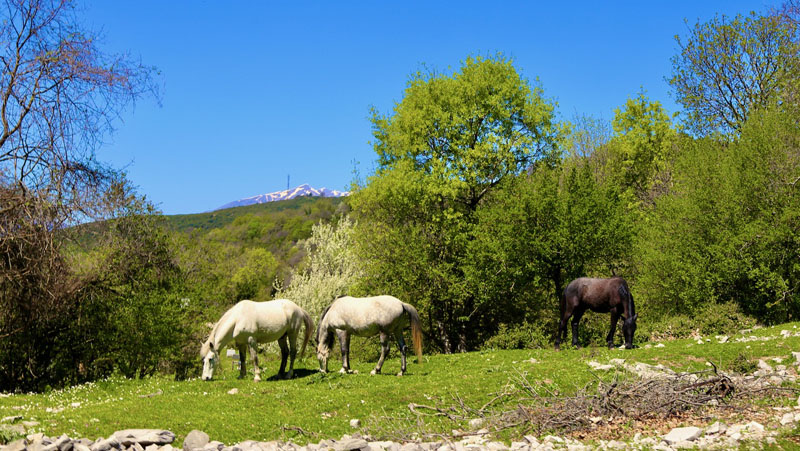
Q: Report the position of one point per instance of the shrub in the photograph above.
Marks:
(518, 336)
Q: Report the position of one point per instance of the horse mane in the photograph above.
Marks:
(208, 345)
(321, 317)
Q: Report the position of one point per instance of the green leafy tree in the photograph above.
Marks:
(447, 144)
(540, 231)
(727, 67)
(728, 233)
(640, 152)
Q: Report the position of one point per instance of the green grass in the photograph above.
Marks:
(322, 405)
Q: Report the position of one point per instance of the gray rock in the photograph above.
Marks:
(144, 437)
(30, 424)
(476, 423)
(137, 447)
(717, 428)
(77, 446)
(350, 444)
(16, 445)
(686, 434)
(11, 419)
(195, 439)
(214, 445)
(105, 444)
(410, 447)
(355, 423)
(12, 430)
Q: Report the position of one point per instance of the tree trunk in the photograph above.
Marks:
(447, 347)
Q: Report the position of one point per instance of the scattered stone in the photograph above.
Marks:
(16, 445)
(12, 429)
(11, 419)
(195, 439)
(351, 444)
(660, 345)
(355, 423)
(796, 356)
(476, 423)
(600, 366)
(617, 362)
(144, 437)
(762, 365)
(686, 434)
(30, 424)
(787, 418)
(104, 444)
(754, 427)
(150, 395)
(722, 338)
(233, 391)
(716, 428)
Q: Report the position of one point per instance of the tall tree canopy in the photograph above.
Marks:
(728, 66)
(449, 142)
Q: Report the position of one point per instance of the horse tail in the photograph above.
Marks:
(309, 329)
(627, 297)
(416, 329)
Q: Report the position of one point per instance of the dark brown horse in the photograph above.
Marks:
(602, 296)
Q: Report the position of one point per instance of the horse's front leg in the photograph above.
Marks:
(384, 352)
(284, 356)
(610, 336)
(253, 345)
(242, 361)
(344, 346)
(401, 344)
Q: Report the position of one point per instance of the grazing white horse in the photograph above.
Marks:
(248, 323)
(366, 317)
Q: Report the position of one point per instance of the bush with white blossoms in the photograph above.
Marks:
(332, 268)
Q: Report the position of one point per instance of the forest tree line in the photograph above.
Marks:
(484, 204)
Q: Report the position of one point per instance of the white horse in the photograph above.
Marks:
(366, 317)
(248, 323)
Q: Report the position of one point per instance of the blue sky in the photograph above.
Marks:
(258, 90)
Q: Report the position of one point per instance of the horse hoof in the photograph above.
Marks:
(399, 374)
(374, 372)
(256, 379)
(343, 371)
(289, 375)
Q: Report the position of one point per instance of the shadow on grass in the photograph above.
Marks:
(299, 373)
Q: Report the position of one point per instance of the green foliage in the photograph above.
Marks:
(450, 141)
(333, 268)
(640, 151)
(711, 319)
(728, 231)
(519, 336)
(729, 67)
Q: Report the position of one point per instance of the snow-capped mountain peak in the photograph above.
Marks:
(300, 191)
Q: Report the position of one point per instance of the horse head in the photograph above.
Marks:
(628, 328)
(210, 362)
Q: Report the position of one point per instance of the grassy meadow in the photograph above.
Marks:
(315, 406)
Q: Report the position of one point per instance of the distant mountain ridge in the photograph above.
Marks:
(304, 190)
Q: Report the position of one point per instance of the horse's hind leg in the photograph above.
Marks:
(561, 335)
(610, 336)
(344, 345)
(384, 352)
(284, 356)
(292, 354)
(253, 345)
(401, 344)
(576, 318)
